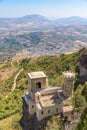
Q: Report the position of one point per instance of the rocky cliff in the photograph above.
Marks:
(83, 65)
(29, 122)
(83, 58)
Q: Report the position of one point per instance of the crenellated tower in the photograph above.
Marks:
(68, 79)
(44, 101)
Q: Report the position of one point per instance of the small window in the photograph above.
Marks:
(56, 109)
(32, 106)
(48, 111)
(42, 112)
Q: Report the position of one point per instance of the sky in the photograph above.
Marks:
(47, 8)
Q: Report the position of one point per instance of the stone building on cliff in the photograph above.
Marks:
(45, 101)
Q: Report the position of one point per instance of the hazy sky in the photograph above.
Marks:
(48, 8)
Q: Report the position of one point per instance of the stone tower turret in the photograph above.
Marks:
(36, 81)
(68, 79)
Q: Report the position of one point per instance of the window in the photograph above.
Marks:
(48, 111)
(42, 112)
(32, 106)
(38, 85)
(56, 109)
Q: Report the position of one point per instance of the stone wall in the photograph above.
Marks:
(49, 111)
(29, 122)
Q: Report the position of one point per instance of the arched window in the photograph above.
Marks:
(42, 112)
(38, 85)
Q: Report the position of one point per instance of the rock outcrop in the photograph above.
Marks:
(83, 66)
(29, 122)
(83, 59)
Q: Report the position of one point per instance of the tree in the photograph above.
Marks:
(84, 91)
(82, 125)
(77, 69)
(78, 100)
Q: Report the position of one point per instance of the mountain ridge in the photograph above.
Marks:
(37, 17)
(72, 20)
(35, 35)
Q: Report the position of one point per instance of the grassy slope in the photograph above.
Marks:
(10, 123)
(53, 66)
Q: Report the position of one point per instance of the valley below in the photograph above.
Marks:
(35, 35)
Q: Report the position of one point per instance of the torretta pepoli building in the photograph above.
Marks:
(45, 101)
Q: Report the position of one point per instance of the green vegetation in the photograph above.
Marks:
(80, 102)
(82, 125)
(53, 66)
(5, 65)
(53, 124)
(11, 123)
(84, 91)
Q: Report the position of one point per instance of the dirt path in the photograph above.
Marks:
(15, 80)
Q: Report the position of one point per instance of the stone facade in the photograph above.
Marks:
(44, 101)
(68, 83)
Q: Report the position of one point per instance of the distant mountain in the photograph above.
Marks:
(32, 22)
(35, 35)
(28, 21)
(34, 18)
(72, 20)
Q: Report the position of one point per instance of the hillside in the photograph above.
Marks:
(11, 101)
(35, 35)
(72, 20)
(31, 21)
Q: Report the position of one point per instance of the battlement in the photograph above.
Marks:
(68, 78)
(68, 75)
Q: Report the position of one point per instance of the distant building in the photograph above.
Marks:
(45, 101)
